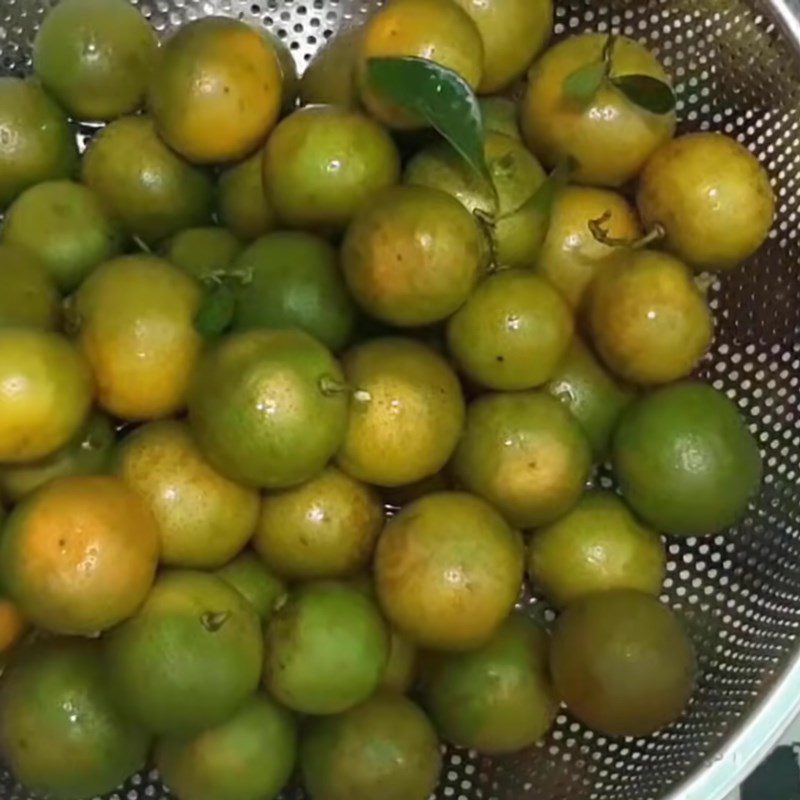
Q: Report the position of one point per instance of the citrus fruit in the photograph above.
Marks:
(135, 324)
(290, 80)
(292, 279)
(325, 528)
(30, 298)
(597, 546)
(267, 407)
(497, 699)
(647, 319)
(438, 30)
(45, 393)
(500, 115)
(79, 555)
(571, 256)
(515, 230)
(150, 190)
(249, 575)
(217, 89)
(204, 519)
(60, 731)
(525, 454)
(513, 32)
(591, 394)
(326, 648)
(448, 569)
(87, 453)
(685, 460)
(242, 203)
(38, 144)
(322, 163)
(330, 77)
(610, 137)
(385, 747)
(189, 658)
(512, 333)
(12, 624)
(95, 57)
(406, 414)
(67, 226)
(712, 198)
(249, 757)
(412, 256)
(622, 663)
(400, 671)
(204, 253)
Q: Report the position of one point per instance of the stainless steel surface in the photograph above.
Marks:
(735, 65)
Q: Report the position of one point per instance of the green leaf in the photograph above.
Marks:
(647, 92)
(542, 201)
(216, 311)
(583, 84)
(438, 95)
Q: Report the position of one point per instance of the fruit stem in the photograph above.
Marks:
(212, 621)
(598, 229)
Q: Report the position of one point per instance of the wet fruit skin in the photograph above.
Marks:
(67, 226)
(514, 230)
(45, 393)
(497, 699)
(325, 528)
(135, 319)
(513, 32)
(248, 757)
(406, 413)
(79, 556)
(267, 407)
(322, 163)
(592, 395)
(448, 569)
(571, 257)
(190, 656)
(622, 662)
(611, 138)
(325, 649)
(150, 190)
(330, 77)
(216, 92)
(30, 298)
(712, 198)
(203, 518)
(435, 29)
(523, 452)
(386, 748)
(291, 279)
(512, 333)
(597, 546)
(412, 256)
(60, 730)
(87, 453)
(40, 144)
(685, 460)
(95, 57)
(647, 319)
(242, 203)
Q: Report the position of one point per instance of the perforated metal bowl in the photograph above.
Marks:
(736, 69)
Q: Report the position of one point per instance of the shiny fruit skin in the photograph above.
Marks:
(711, 196)
(95, 57)
(216, 91)
(242, 204)
(330, 77)
(439, 30)
(448, 570)
(610, 138)
(249, 575)
(647, 319)
(512, 333)
(30, 298)
(322, 163)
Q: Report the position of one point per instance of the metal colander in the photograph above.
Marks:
(736, 69)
